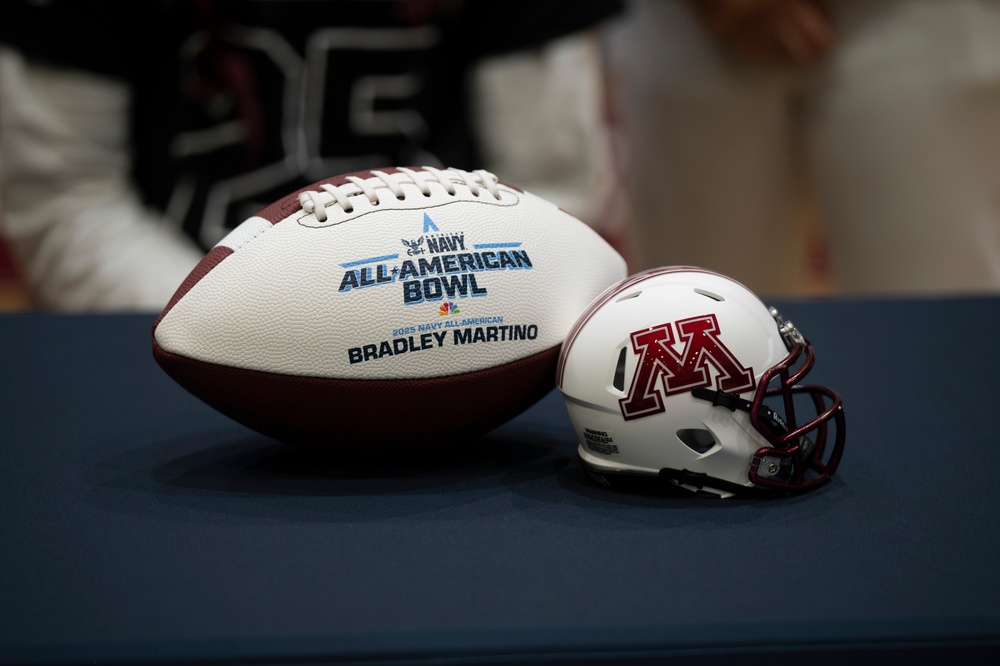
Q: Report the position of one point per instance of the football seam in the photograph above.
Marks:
(252, 238)
(325, 224)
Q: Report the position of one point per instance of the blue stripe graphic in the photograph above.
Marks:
(372, 260)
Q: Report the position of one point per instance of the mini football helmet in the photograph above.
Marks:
(681, 378)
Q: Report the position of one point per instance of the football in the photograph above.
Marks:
(385, 306)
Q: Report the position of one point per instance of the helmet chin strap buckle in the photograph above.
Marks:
(686, 477)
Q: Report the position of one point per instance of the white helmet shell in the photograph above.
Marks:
(665, 375)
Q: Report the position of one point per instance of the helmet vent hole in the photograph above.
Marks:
(709, 294)
(626, 297)
(698, 440)
(619, 380)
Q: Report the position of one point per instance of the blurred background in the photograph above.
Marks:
(803, 147)
(13, 293)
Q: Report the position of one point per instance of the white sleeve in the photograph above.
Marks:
(74, 220)
(538, 117)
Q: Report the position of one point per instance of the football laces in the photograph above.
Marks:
(315, 202)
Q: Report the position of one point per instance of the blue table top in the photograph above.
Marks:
(137, 524)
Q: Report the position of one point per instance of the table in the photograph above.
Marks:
(138, 525)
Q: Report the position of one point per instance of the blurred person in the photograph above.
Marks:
(128, 147)
(733, 116)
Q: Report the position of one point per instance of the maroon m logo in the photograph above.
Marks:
(680, 372)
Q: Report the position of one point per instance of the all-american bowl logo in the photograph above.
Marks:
(435, 266)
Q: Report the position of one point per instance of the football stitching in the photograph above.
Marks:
(312, 202)
(252, 238)
(303, 219)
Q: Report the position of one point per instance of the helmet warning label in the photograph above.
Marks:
(600, 441)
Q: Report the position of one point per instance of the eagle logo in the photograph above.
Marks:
(414, 247)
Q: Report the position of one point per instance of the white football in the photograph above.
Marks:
(385, 305)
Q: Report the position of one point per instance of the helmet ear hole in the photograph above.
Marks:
(619, 379)
(698, 440)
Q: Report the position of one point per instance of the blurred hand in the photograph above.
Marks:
(777, 32)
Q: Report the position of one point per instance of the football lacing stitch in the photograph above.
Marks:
(312, 201)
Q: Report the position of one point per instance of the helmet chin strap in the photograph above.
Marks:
(767, 416)
(676, 482)
(732, 402)
(700, 481)
(683, 479)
